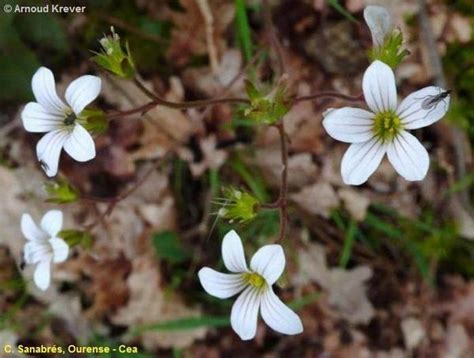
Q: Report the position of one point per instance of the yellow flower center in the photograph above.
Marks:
(255, 280)
(387, 125)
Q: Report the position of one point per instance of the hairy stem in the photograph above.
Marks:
(282, 202)
(190, 104)
(329, 94)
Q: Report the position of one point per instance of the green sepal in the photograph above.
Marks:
(61, 192)
(94, 120)
(77, 238)
(114, 58)
(238, 205)
(391, 52)
(266, 109)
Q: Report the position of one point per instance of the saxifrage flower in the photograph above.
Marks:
(60, 121)
(384, 129)
(266, 267)
(43, 246)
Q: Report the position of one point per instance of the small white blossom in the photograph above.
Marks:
(380, 23)
(384, 128)
(266, 267)
(43, 246)
(59, 120)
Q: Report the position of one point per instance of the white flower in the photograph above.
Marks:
(384, 129)
(266, 267)
(43, 246)
(380, 23)
(59, 120)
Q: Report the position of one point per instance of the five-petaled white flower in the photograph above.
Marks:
(380, 23)
(43, 245)
(384, 130)
(266, 266)
(61, 121)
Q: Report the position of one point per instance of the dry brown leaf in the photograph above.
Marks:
(213, 158)
(319, 198)
(188, 37)
(201, 80)
(413, 332)
(457, 343)
(355, 202)
(301, 168)
(346, 288)
(150, 304)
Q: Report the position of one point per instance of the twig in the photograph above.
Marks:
(157, 101)
(209, 21)
(190, 104)
(329, 94)
(275, 43)
(282, 202)
(284, 180)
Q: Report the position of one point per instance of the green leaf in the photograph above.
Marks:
(18, 63)
(252, 179)
(43, 30)
(340, 8)
(299, 303)
(169, 248)
(349, 239)
(185, 324)
(243, 29)
(252, 91)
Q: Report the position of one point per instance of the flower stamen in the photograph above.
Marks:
(70, 119)
(387, 125)
(254, 279)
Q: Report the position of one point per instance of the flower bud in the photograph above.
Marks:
(238, 206)
(387, 42)
(266, 109)
(114, 58)
(61, 192)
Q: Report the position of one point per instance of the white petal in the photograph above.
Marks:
(44, 89)
(36, 251)
(82, 91)
(269, 262)
(60, 249)
(409, 158)
(420, 109)
(37, 119)
(380, 23)
(278, 315)
(221, 285)
(243, 317)
(48, 150)
(42, 275)
(233, 253)
(361, 160)
(79, 144)
(379, 87)
(52, 222)
(30, 230)
(350, 125)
